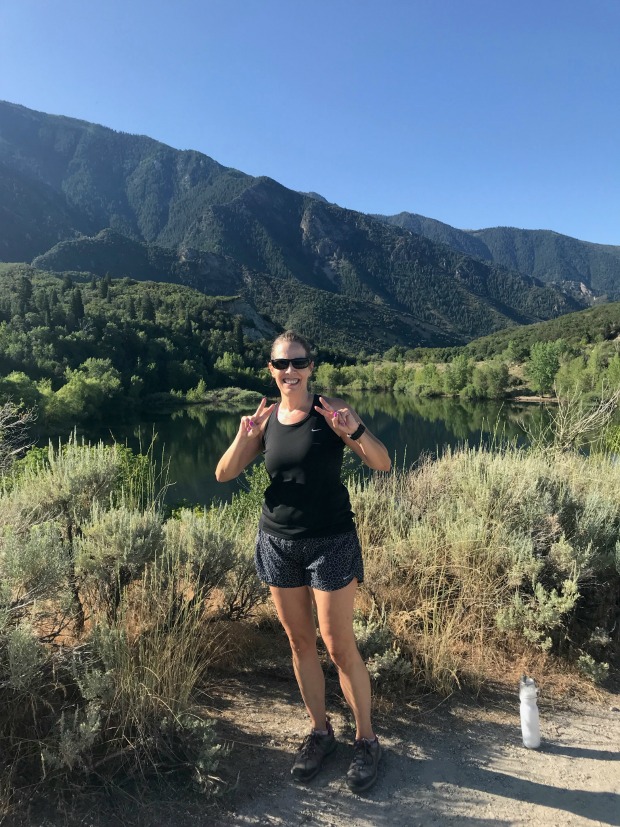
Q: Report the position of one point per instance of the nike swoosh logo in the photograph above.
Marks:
(315, 430)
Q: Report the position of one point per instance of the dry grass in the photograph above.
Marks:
(477, 553)
(484, 562)
(106, 639)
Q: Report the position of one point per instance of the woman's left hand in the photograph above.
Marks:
(345, 421)
(341, 420)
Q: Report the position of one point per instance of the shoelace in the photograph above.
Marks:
(309, 744)
(361, 752)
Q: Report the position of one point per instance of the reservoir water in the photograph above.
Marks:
(191, 440)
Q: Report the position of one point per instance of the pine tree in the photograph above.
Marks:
(77, 304)
(147, 308)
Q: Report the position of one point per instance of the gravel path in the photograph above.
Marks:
(445, 763)
(454, 763)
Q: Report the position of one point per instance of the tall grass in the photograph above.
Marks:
(486, 550)
(109, 620)
(112, 615)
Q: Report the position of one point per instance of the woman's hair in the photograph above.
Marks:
(291, 336)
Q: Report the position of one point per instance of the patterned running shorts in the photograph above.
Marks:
(324, 563)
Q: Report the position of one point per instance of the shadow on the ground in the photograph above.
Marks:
(580, 752)
(445, 761)
(433, 770)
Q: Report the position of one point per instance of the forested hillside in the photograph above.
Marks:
(101, 178)
(166, 215)
(552, 257)
(546, 255)
(86, 348)
(597, 324)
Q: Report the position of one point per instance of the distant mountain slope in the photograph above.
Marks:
(111, 253)
(33, 216)
(274, 230)
(430, 307)
(544, 254)
(440, 232)
(552, 257)
(102, 178)
(83, 179)
(596, 324)
(329, 319)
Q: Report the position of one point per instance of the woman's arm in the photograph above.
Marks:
(344, 421)
(246, 446)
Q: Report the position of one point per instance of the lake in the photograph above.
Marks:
(192, 440)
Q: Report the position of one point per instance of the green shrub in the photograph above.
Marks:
(85, 559)
(481, 549)
(112, 550)
(595, 671)
(385, 662)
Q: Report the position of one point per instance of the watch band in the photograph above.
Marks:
(358, 432)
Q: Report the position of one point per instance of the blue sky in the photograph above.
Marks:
(475, 112)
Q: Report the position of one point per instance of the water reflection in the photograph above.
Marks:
(192, 440)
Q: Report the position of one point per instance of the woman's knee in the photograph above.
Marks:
(302, 644)
(343, 651)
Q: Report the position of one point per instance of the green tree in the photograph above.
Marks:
(77, 304)
(612, 373)
(24, 295)
(19, 388)
(90, 392)
(543, 365)
(229, 362)
(495, 379)
(147, 308)
(326, 376)
(428, 381)
(457, 374)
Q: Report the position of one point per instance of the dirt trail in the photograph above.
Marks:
(450, 762)
(447, 764)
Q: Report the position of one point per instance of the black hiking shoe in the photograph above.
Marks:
(362, 773)
(314, 748)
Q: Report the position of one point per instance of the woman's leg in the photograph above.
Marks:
(335, 614)
(294, 607)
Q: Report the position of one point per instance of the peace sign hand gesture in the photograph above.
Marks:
(341, 420)
(253, 426)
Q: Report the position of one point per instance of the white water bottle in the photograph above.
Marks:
(530, 721)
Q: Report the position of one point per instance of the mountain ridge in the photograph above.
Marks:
(547, 255)
(87, 179)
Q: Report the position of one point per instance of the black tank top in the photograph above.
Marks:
(306, 497)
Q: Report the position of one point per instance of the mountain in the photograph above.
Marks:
(552, 257)
(546, 255)
(343, 322)
(101, 178)
(77, 196)
(110, 253)
(587, 327)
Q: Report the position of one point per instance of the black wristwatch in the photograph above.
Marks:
(358, 432)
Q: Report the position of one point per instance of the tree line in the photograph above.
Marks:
(79, 348)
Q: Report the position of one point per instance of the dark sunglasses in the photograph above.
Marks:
(298, 364)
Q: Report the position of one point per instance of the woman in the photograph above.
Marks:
(307, 548)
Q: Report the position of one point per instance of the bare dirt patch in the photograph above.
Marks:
(445, 762)
(456, 761)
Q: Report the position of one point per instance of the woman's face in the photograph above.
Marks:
(292, 379)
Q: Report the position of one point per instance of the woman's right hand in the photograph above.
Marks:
(253, 426)
(245, 446)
